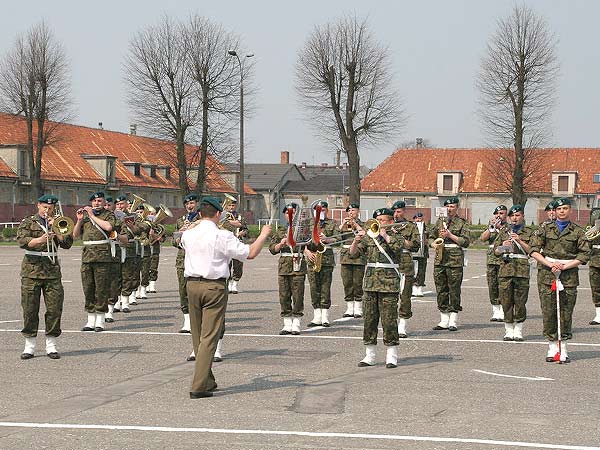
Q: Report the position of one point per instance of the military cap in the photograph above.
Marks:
(399, 204)
(49, 199)
(515, 209)
(419, 214)
(141, 206)
(562, 202)
(121, 198)
(550, 206)
(323, 204)
(96, 195)
(233, 201)
(212, 201)
(383, 212)
(451, 201)
(351, 206)
(501, 208)
(190, 197)
(290, 205)
(109, 199)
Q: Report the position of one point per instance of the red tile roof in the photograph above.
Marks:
(415, 170)
(63, 160)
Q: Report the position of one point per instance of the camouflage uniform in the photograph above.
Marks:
(155, 259)
(291, 283)
(179, 264)
(236, 267)
(115, 271)
(422, 260)
(568, 245)
(381, 287)
(513, 276)
(320, 282)
(493, 264)
(448, 273)
(595, 271)
(96, 263)
(407, 231)
(39, 275)
(130, 269)
(144, 254)
(352, 269)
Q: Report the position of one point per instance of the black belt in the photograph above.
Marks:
(222, 280)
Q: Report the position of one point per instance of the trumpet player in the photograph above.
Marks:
(489, 237)
(381, 285)
(594, 238)
(420, 258)
(115, 267)
(156, 240)
(238, 226)
(411, 242)
(320, 268)
(512, 248)
(94, 224)
(448, 272)
(144, 252)
(40, 274)
(564, 249)
(352, 266)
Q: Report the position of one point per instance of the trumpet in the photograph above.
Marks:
(62, 225)
(227, 215)
(373, 227)
(349, 224)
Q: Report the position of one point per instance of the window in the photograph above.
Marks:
(110, 171)
(411, 202)
(563, 183)
(339, 201)
(23, 164)
(447, 183)
(136, 170)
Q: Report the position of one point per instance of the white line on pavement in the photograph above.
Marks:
(514, 376)
(387, 437)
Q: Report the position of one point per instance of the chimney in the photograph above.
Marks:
(100, 125)
(133, 129)
(338, 156)
(419, 142)
(285, 157)
(303, 164)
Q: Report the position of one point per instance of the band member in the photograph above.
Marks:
(420, 257)
(381, 285)
(291, 275)
(352, 266)
(320, 269)
(208, 254)
(448, 270)
(144, 252)
(94, 224)
(412, 241)
(238, 226)
(115, 267)
(550, 210)
(40, 274)
(110, 204)
(564, 249)
(512, 247)
(155, 243)
(594, 238)
(190, 203)
(489, 236)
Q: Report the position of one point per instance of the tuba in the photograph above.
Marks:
(228, 200)
(592, 232)
(137, 201)
(162, 214)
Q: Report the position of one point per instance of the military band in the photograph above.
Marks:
(489, 237)
(420, 257)
(352, 267)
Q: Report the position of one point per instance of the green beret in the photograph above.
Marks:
(562, 202)
(96, 195)
(212, 201)
(419, 214)
(121, 198)
(451, 201)
(290, 206)
(550, 206)
(109, 199)
(515, 209)
(383, 212)
(352, 206)
(190, 197)
(49, 199)
(501, 208)
(399, 204)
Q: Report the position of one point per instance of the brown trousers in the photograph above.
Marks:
(207, 301)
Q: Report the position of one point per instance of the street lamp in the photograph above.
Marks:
(240, 185)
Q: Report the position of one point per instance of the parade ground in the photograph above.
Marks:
(128, 387)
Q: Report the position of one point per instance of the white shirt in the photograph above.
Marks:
(209, 250)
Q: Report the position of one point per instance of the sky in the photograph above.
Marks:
(435, 48)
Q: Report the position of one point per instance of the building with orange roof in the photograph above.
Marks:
(83, 160)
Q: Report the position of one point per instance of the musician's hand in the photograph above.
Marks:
(360, 235)
(283, 242)
(310, 255)
(89, 210)
(444, 233)
(506, 243)
(79, 214)
(515, 237)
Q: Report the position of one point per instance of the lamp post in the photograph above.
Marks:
(240, 183)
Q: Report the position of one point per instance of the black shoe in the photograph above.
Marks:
(507, 339)
(126, 310)
(26, 355)
(284, 332)
(593, 322)
(185, 331)
(109, 320)
(87, 329)
(116, 310)
(452, 329)
(348, 315)
(438, 328)
(191, 358)
(357, 316)
(217, 359)
(53, 355)
(364, 364)
(519, 339)
(549, 358)
(98, 329)
(201, 394)
(402, 336)
(391, 366)
(493, 319)
(326, 324)
(312, 324)
(295, 333)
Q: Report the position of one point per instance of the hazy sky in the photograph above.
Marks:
(435, 47)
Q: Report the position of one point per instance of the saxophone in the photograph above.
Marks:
(316, 238)
(438, 246)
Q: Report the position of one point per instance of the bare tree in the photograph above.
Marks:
(417, 143)
(35, 84)
(217, 80)
(161, 90)
(517, 82)
(344, 82)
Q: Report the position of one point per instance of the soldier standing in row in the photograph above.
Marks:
(144, 253)
(155, 242)
(564, 249)
(291, 275)
(238, 226)
(420, 257)
(411, 243)
(320, 279)
(512, 248)
(94, 224)
(40, 274)
(448, 272)
(115, 267)
(489, 237)
(381, 285)
(352, 266)
(594, 238)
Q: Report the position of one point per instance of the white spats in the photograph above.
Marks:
(414, 291)
(518, 332)
(391, 357)
(186, 327)
(108, 317)
(358, 311)
(287, 326)
(99, 322)
(349, 309)
(151, 287)
(125, 303)
(453, 322)
(132, 298)
(233, 286)
(596, 319)
(91, 322)
(552, 349)
(369, 359)
(325, 317)
(317, 318)
(219, 352)
(29, 346)
(143, 292)
(444, 320)
(509, 331)
(497, 313)
(296, 326)
(51, 345)
(418, 291)
(402, 328)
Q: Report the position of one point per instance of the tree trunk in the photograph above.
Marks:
(354, 168)
(201, 179)
(181, 162)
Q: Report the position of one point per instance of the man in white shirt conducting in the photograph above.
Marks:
(208, 252)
